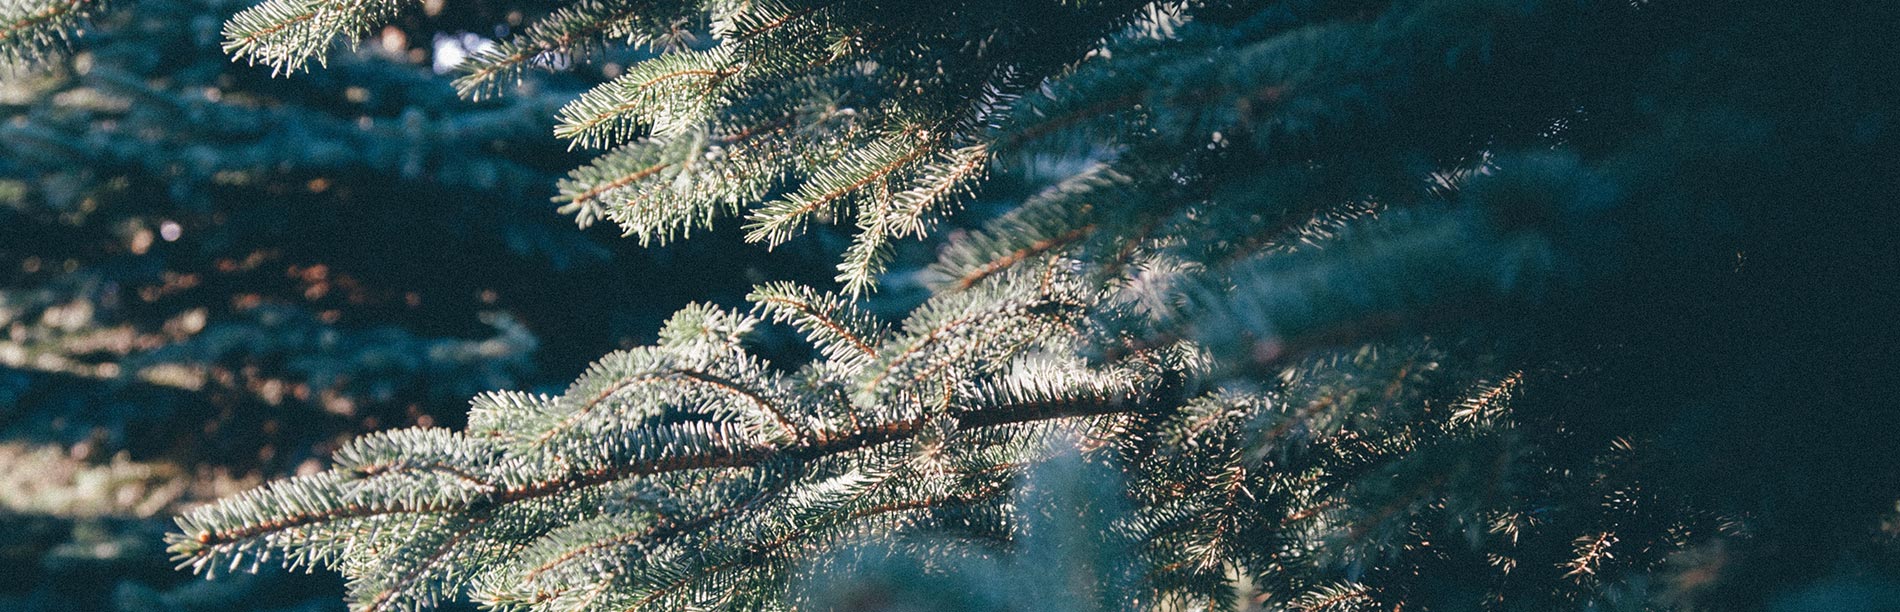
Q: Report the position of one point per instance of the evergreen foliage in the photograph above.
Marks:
(31, 30)
(1445, 305)
(216, 273)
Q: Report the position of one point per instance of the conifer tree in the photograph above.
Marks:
(1445, 305)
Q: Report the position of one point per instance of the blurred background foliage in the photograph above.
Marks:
(210, 277)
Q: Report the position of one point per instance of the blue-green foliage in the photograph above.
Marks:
(1445, 305)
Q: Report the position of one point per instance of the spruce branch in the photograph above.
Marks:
(844, 334)
(1288, 287)
(467, 494)
(287, 34)
(578, 29)
(275, 517)
(31, 30)
(584, 190)
(666, 95)
(778, 221)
